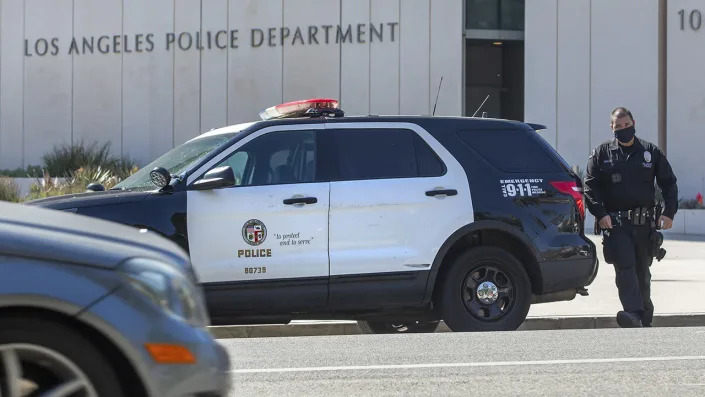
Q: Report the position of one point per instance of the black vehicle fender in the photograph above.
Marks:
(470, 236)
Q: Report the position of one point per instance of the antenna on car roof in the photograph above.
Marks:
(439, 91)
(482, 104)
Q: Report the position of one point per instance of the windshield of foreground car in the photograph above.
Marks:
(176, 161)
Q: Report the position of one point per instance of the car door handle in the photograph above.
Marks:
(444, 192)
(301, 200)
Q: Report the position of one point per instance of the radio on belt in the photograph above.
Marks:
(317, 107)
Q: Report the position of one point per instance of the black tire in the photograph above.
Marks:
(380, 327)
(66, 341)
(461, 307)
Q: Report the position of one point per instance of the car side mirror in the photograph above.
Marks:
(160, 177)
(95, 187)
(216, 178)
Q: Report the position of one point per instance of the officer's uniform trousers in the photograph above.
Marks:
(631, 255)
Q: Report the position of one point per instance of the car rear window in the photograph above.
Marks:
(513, 150)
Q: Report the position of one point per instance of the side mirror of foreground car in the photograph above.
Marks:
(216, 178)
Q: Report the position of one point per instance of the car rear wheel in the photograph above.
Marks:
(42, 357)
(413, 327)
(486, 289)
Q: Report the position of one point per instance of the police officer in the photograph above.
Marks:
(619, 191)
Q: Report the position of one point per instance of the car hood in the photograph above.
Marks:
(53, 235)
(89, 199)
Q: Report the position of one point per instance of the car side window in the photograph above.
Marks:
(275, 158)
(382, 154)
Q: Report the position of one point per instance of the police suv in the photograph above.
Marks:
(397, 222)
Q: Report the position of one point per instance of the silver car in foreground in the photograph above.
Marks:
(93, 308)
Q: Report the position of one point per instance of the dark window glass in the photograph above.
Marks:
(383, 153)
(482, 14)
(428, 162)
(512, 14)
(495, 14)
(512, 150)
(275, 158)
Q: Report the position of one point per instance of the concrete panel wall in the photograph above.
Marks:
(576, 72)
(97, 77)
(384, 75)
(573, 82)
(48, 77)
(414, 68)
(686, 95)
(355, 61)
(11, 84)
(148, 80)
(187, 69)
(621, 77)
(255, 70)
(311, 63)
(214, 66)
(540, 66)
(146, 76)
(446, 56)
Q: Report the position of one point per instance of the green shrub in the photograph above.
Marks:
(32, 171)
(9, 191)
(690, 204)
(75, 183)
(64, 161)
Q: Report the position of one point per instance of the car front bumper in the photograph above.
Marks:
(130, 324)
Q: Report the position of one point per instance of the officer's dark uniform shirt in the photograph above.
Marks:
(620, 178)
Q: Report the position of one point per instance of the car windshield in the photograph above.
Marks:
(176, 161)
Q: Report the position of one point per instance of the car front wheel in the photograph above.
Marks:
(41, 357)
(486, 289)
(409, 327)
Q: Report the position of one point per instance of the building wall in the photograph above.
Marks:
(583, 59)
(686, 95)
(147, 87)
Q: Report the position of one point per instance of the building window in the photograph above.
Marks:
(495, 14)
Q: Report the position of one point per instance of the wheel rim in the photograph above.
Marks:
(488, 293)
(29, 370)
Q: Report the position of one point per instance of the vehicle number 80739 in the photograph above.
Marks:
(254, 270)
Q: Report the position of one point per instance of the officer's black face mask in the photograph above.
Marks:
(625, 134)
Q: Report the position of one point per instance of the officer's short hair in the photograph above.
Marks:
(621, 112)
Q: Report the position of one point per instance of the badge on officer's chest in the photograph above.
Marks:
(647, 160)
(616, 177)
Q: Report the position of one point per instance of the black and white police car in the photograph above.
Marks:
(394, 221)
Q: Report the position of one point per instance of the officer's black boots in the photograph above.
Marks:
(628, 320)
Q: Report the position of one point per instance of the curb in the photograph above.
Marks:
(531, 324)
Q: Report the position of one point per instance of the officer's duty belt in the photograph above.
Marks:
(637, 216)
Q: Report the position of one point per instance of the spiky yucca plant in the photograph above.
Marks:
(76, 182)
(9, 191)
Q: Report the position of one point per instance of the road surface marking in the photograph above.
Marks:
(475, 364)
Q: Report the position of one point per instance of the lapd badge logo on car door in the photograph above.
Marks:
(254, 232)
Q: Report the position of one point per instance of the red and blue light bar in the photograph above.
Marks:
(297, 108)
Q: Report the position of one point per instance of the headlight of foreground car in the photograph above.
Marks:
(167, 288)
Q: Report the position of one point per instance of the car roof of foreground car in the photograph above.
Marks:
(62, 236)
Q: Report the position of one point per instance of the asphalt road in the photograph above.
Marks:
(619, 362)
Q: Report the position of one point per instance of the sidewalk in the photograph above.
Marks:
(678, 293)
